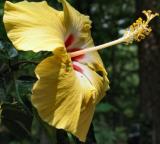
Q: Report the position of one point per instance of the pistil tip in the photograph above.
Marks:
(140, 29)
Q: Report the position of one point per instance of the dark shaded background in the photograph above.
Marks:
(129, 114)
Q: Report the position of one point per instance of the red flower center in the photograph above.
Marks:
(69, 41)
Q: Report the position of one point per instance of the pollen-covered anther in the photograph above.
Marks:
(139, 29)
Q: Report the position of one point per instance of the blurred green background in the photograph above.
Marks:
(129, 114)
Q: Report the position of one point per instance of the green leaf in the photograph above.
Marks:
(7, 51)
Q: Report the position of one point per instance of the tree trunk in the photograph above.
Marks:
(149, 58)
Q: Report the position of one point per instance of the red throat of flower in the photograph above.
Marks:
(68, 44)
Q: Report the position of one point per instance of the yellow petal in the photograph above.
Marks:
(33, 26)
(66, 98)
(97, 76)
(75, 22)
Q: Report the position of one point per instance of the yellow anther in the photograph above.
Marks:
(139, 29)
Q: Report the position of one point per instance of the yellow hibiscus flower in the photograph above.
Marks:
(67, 89)
(73, 80)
